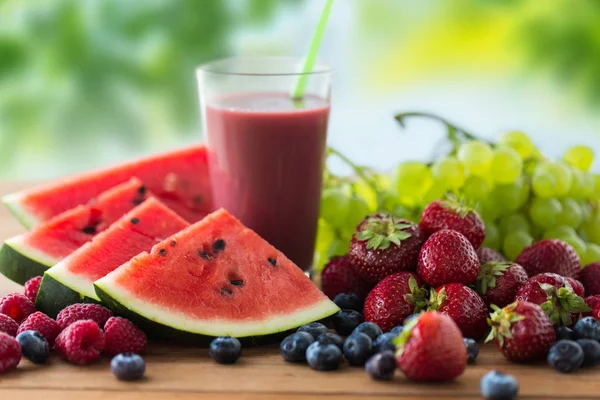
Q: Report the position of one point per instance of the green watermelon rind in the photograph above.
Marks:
(20, 262)
(168, 326)
(54, 296)
(13, 204)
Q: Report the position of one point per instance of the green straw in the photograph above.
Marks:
(311, 58)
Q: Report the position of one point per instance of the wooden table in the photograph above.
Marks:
(188, 373)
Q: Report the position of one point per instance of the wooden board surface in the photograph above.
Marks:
(184, 373)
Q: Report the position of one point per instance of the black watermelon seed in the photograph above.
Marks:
(218, 245)
(162, 252)
(89, 230)
(237, 282)
(173, 243)
(142, 190)
(226, 291)
(204, 254)
(197, 200)
(138, 201)
(135, 220)
(272, 261)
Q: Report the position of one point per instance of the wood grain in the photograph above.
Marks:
(176, 372)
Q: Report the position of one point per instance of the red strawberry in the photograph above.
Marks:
(577, 286)
(447, 257)
(339, 277)
(590, 277)
(550, 255)
(395, 298)
(591, 302)
(464, 306)
(453, 214)
(498, 282)
(431, 348)
(556, 297)
(522, 331)
(383, 245)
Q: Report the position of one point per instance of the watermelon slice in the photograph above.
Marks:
(25, 256)
(72, 280)
(178, 178)
(220, 279)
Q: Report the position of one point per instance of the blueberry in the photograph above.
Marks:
(331, 338)
(397, 330)
(128, 366)
(349, 301)
(316, 329)
(358, 348)
(498, 386)
(591, 352)
(34, 346)
(345, 321)
(384, 342)
(587, 328)
(565, 356)
(225, 349)
(563, 332)
(472, 350)
(293, 348)
(411, 316)
(370, 329)
(323, 357)
(381, 366)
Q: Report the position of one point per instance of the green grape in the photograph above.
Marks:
(365, 191)
(325, 237)
(562, 177)
(389, 201)
(335, 205)
(578, 185)
(571, 215)
(476, 187)
(449, 172)
(577, 243)
(594, 190)
(543, 182)
(507, 198)
(591, 228)
(487, 210)
(436, 192)
(559, 232)
(592, 254)
(358, 209)
(544, 211)
(513, 222)
(401, 211)
(492, 236)
(589, 186)
(507, 165)
(514, 243)
(338, 247)
(383, 181)
(523, 192)
(586, 210)
(413, 179)
(581, 157)
(476, 156)
(518, 141)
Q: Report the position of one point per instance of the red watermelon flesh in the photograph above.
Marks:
(220, 279)
(178, 178)
(135, 232)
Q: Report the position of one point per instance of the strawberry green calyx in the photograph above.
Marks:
(501, 321)
(401, 340)
(562, 303)
(454, 203)
(436, 299)
(383, 231)
(417, 296)
(488, 273)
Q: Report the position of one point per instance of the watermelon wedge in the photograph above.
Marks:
(178, 178)
(220, 279)
(72, 280)
(25, 256)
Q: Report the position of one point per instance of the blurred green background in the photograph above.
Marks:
(86, 83)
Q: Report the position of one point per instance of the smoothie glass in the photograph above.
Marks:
(267, 151)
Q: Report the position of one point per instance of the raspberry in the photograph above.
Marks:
(77, 312)
(42, 323)
(122, 336)
(16, 306)
(596, 312)
(81, 342)
(32, 287)
(10, 353)
(8, 325)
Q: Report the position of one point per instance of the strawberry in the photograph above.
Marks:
(590, 277)
(485, 254)
(464, 306)
(395, 298)
(522, 331)
(339, 277)
(577, 286)
(556, 297)
(498, 282)
(591, 302)
(383, 245)
(447, 257)
(452, 214)
(431, 348)
(550, 255)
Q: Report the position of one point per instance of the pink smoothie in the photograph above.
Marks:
(266, 161)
